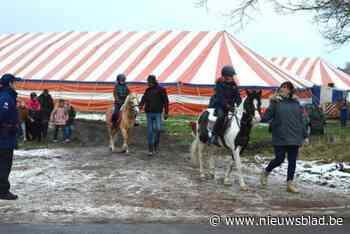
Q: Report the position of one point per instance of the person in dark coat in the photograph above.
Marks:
(46, 107)
(344, 113)
(288, 131)
(226, 96)
(9, 121)
(155, 100)
(120, 92)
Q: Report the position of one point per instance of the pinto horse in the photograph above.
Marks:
(236, 136)
(126, 121)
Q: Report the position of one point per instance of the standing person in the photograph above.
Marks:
(23, 117)
(68, 128)
(34, 116)
(9, 120)
(155, 100)
(47, 105)
(288, 131)
(120, 92)
(343, 113)
(226, 96)
(59, 118)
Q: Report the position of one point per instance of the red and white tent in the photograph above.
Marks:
(316, 70)
(82, 66)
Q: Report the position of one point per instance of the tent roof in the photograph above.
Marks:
(173, 56)
(316, 70)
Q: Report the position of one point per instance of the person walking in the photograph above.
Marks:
(9, 121)
(155, 100)
(288, 132)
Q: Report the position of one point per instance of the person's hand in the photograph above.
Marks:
(165, 116)
(306, 141)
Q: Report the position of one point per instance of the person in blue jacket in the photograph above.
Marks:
(344, 112)
(226, 96)
(9, 121)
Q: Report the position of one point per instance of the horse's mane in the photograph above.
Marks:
(127, 100)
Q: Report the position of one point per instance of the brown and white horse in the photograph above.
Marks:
(127, 116)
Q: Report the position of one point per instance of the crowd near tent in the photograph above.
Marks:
(82, 66)
(333, 83)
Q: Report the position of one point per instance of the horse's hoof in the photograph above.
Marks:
(244, 188)
(227, 182)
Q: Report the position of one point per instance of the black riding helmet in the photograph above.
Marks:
(121, 77)
(228, 70)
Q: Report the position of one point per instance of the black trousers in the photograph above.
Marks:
(280, 154)
(6, 157)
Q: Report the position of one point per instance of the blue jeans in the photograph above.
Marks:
(280, 154)
(153, 126)
(67, 131)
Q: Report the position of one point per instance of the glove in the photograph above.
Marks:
(165, 116)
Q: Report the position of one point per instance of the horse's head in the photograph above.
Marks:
(132, 104)
(252, 105)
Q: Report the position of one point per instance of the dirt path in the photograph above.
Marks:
(90, 184)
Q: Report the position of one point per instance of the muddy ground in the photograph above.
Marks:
(84, 182)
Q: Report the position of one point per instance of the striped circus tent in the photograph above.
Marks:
(82, 66)
(316, 70)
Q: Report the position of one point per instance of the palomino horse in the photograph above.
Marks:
(127, 116)
(235, 138)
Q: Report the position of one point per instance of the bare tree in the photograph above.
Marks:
(332, 16)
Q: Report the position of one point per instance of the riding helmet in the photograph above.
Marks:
(228, 70)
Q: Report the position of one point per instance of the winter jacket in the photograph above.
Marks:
(59, 116)
(9, 118)
(226, 95)
(71, 115)
(287, 121)
(155, 99)
(23, 113)
(343, 113)
(46, 104)
(120, 92)
(33, 104)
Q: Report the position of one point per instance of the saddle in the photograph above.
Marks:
(207, 122)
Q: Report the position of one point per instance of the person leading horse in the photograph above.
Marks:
(226, 97)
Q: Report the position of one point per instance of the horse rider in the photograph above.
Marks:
(226, 97)
(9, 121)
(120, 92)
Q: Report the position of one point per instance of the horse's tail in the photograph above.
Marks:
(193, 126)
(195, 151)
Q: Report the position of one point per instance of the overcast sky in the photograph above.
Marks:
(271, 35)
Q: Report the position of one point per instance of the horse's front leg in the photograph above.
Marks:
(227, 180)
(211, 167)
(125, 147)
(236, 155)
(112, 134)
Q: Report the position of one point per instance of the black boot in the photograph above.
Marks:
(156, 148)
(150, 150)
(8, 196)
(214, 140)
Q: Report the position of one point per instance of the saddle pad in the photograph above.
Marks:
(211, 116)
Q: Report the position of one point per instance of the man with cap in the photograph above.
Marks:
(9, 120)
(120, 92)
(47, 105)
(226, 96)
(155, 100)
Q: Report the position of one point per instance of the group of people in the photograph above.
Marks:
(284, 114)
(154, 101)
(39, 111)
